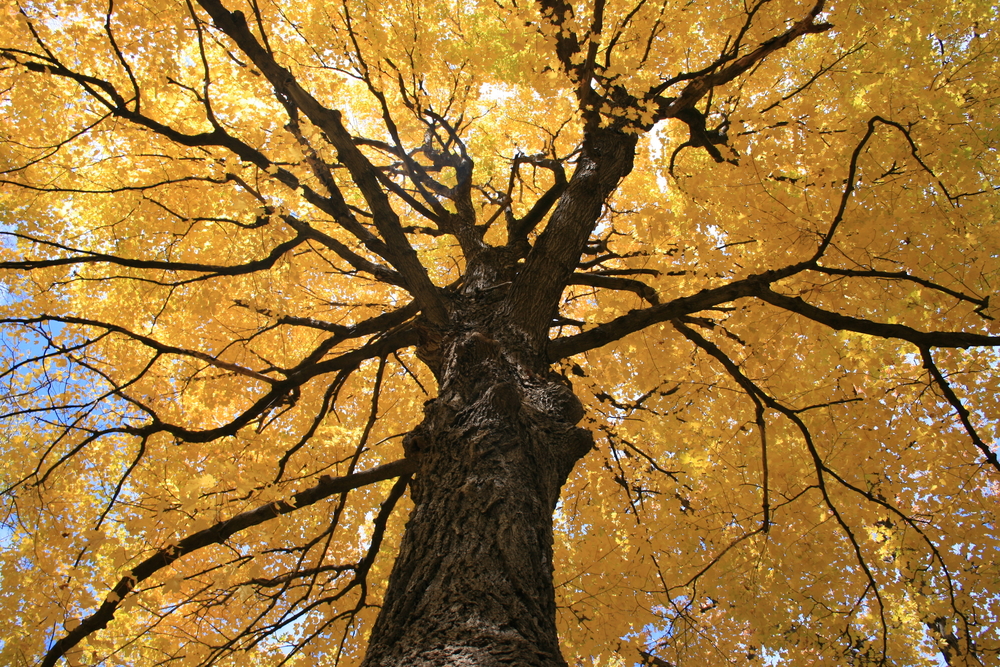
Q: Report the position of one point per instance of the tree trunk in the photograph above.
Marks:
(472, 584)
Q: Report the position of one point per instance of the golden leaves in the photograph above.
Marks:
(852, 453)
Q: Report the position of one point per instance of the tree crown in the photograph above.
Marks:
(758, 238)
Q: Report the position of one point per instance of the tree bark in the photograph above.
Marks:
(472, 584)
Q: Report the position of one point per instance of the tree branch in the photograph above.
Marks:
(217, 534)
(922, 339)
(637, 320)
(151, 343)
(398, 250)
(963, 413)
(702, 84)
(611, 282)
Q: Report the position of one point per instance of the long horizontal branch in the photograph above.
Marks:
(307, 370)
(616, 283)
(217, 534)
(90, 257)
(758, 286)
(636, 320)
(922, 339)
(372, 325)
(145, 340)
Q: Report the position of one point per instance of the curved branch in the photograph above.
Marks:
(849, 185)
(852, 173)
(611, 282)
(820, 467)
(217, 534)
(753, 392)
(90, 257)
(145, 340)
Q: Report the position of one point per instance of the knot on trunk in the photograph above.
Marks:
(429, 349)
(505, 398)
(579, 442)
(558, 401)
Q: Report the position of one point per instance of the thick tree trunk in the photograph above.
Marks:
(472, 584)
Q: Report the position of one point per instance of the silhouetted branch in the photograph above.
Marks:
(611, 282)
(637, 320)
(820, 467)
(217, 534)
(963, 413)
(879, 329)
(396, 249)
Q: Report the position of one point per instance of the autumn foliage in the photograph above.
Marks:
(243, 242)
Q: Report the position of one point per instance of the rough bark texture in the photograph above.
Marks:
(473, 581)
(472, 584)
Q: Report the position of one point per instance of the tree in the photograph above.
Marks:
(620, 331)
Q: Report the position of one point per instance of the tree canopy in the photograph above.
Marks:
(758, 239)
